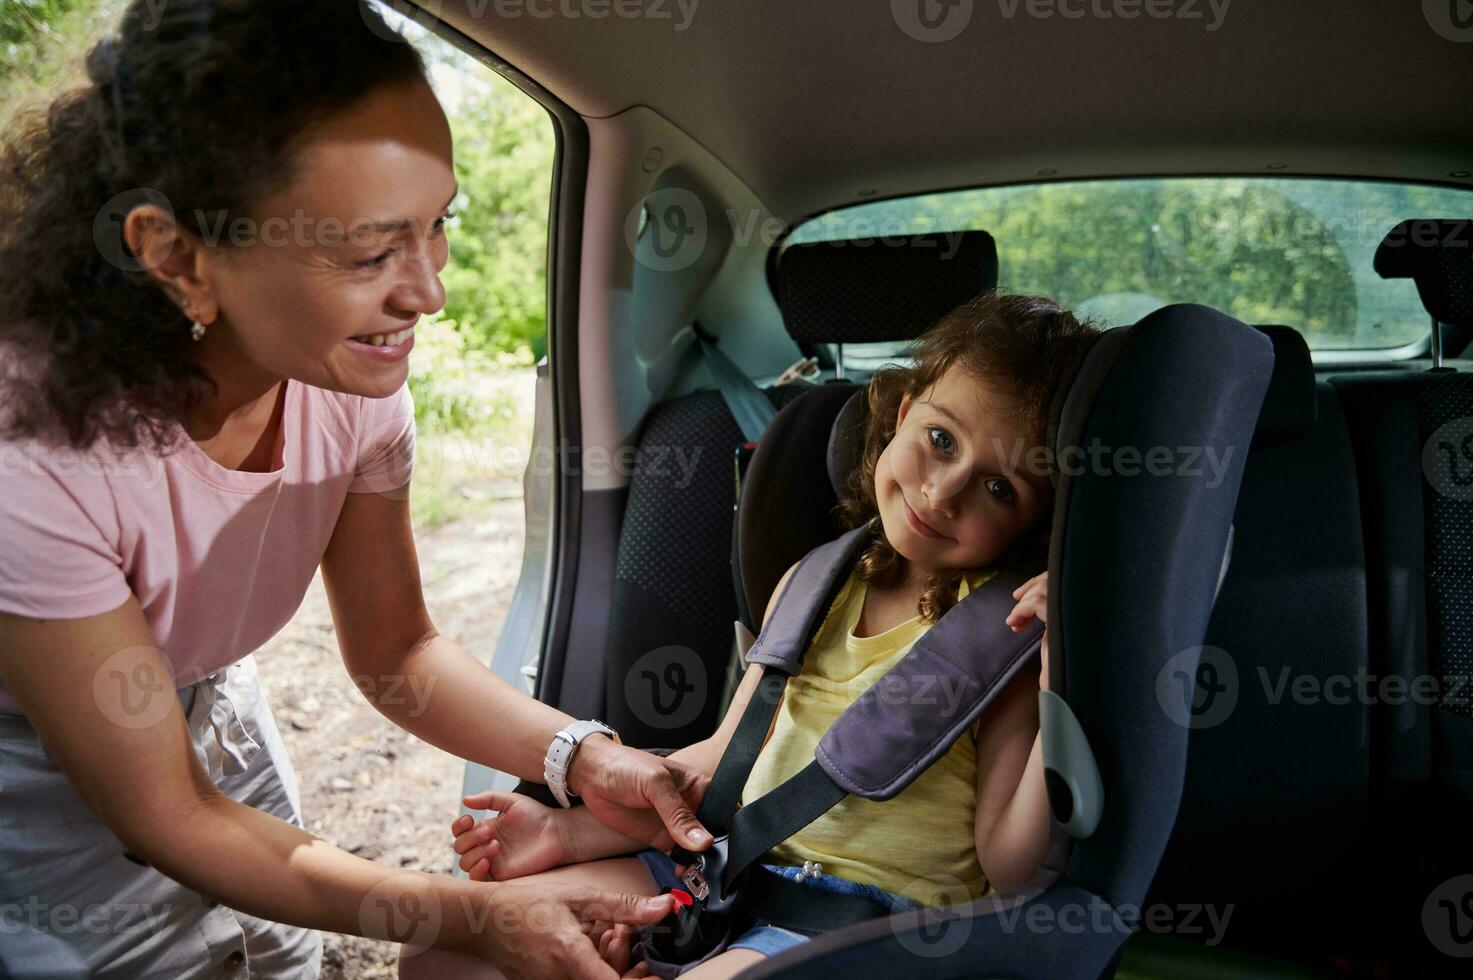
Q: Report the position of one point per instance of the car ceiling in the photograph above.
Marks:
(819, 103)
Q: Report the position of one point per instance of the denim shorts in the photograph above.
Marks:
(764, 937)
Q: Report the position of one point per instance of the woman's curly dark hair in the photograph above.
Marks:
(1022, 344)
(196, 104)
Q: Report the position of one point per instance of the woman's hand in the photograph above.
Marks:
(524, 838)
(1032, 598)
(641, 795)
(560, 930)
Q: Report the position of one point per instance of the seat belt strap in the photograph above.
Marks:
(748, 405)
(765, 823)
(723, 793)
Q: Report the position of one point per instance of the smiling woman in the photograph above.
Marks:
(213, 259)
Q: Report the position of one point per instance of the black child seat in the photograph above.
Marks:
(673, 585)
(1186, 376)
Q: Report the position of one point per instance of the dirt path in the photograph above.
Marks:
(367, 785)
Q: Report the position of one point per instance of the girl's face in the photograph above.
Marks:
(340, 266)
(953, 486)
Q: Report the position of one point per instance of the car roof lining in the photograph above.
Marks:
(821, 104)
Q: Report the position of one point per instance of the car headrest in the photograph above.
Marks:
(1290, 409)
(1436, 253)
(846, 441)
(877, 289)
(1291, 406)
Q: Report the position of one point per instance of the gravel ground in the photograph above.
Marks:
(367, 785)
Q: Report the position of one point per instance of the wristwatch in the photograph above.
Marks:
(560, 755)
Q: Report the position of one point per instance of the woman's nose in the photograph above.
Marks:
(420, 291)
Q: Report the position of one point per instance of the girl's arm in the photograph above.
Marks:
(1013, 819)
(1012, 827)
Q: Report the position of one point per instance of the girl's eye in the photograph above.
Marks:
(941, 440)
(1000, 488)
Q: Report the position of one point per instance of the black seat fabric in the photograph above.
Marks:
(1414, 450)
(787, 506)
(673, 603)
(1273, 820)
(1419, 529)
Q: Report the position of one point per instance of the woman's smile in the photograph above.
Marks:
(384, 347)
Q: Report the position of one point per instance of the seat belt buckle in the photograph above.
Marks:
(695, 883)
(688, 934)
(704, 875)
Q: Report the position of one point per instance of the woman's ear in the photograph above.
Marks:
(172, 257)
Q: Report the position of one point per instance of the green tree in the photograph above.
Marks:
(497, 277)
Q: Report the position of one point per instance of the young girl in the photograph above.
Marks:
(952, 485)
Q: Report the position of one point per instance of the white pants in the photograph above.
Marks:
(73, 904)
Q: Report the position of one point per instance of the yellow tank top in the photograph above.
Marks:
(922, 843)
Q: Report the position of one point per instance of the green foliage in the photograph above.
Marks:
(496, 281)
(446, 378)
(42, 45)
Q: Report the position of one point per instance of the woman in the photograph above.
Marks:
(204, 399)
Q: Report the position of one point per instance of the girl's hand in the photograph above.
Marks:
(1032, 598)
(523, 839)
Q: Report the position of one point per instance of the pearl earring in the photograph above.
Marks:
(196, 329)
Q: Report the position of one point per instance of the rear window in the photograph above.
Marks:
(1264, 250)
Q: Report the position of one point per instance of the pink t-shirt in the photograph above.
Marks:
(218, 559)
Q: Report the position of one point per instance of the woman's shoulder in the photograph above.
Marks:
(373, 437)
(35, 463)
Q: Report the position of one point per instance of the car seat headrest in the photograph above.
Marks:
(1291, 406)
(846, 441)
(876, 289)
(1437, 253)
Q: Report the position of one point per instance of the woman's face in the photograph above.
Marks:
(954, 486)
(326, 281)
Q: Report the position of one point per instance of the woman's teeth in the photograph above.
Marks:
(386, 339)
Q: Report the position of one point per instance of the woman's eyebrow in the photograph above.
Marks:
(387, 227)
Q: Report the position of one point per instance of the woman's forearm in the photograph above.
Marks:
(1019, 840)
(586, 838)
(263, 866)
(442, 694)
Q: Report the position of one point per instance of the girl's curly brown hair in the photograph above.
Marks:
(194, 104)
(1021, 344)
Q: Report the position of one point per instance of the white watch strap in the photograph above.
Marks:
(560, 755)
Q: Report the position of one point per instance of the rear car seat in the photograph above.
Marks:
(1414, 449)
(1330, 823)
